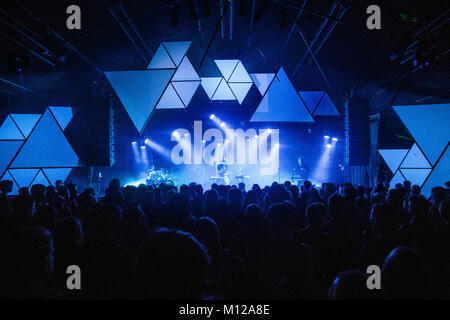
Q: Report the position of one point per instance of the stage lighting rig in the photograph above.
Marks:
(17, 61)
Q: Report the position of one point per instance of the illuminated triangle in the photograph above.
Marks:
(170, 99)
(393, 157)
(415, 176)
(210, 85)
(440, 174)
(40, 179)
(177, 50)
(223, 92)
(240, 90)
(185, 72)
(186, 90)
(326, 107)
(46, 147)
(161, 60)
(311, 98)
(23, 177)
(226, 67)
(54, 175)
(9, 131)
(15, 188)
(139, 91)
(397, 178)
(240, 74)
(281, 103)
(8, 151)
(415, 159)
(63, 115)
(429, 126)
(26, 122)
(262, 81)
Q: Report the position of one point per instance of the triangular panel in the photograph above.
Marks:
(326, 107)
(415, 176)
(186, 90)
(311, 98)
(161, 60)
(210, 85)
(440, 174)
(262, 81)
(139, 91)
(15, 188)
(240, 74)
(281, 103)
(46, 147)
(26, 122)
(54, 175)
(170, 100)
(428, 124)
(185, 72)
(177, 50)
(240, 90)
(397, 178)
(9, 131)
(226, 67)
(415, 159)
(63, 115)
(223, 92)
(393, 157)
(23, 177)
(40, 179)
(8, 150)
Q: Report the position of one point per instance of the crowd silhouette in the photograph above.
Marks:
(278, 242)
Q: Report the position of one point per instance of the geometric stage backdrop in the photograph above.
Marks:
(34, 148)
(427, 162)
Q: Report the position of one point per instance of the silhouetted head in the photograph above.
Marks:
(68, 232)
(207, 232)
(307, 184)
(129, 192)
(383, 219)
(315, 214)
(171, 265)
(253, 216)
(234, 195)
(134, 227)
(349, 285)
(282, 219)
(418, 205)
(336, 204)
(45, 216)
(415, 189)
(38, 192)
(405, 275)
(6, 186)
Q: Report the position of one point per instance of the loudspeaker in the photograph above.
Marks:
(359, 131)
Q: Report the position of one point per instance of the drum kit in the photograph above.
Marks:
(156, 177)
(223, 174)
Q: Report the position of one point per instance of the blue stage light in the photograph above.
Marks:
(270, 130)
(329, 145)
(335, 139)
(134, 142)
(326, 137)
(146, 141)
(175, 133)
(212, 116)
(222, 124)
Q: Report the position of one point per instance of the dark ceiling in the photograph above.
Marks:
(123, 35)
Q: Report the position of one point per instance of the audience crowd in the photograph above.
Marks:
(278, 242)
